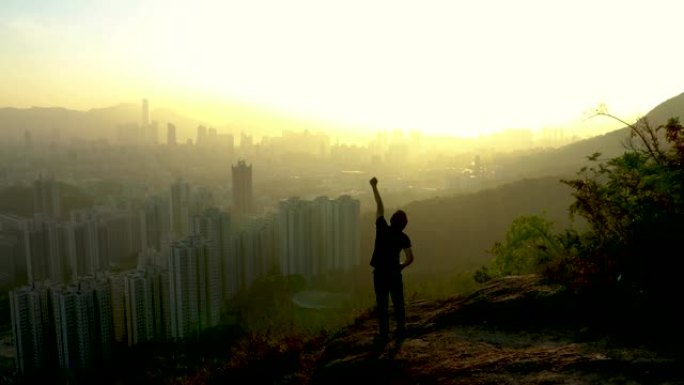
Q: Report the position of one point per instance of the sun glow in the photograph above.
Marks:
(441, 67)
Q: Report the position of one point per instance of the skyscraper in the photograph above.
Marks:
(179, 206)
(243, 198)
(201, 136)
(171, 134)
(145, 115)
(148, 129)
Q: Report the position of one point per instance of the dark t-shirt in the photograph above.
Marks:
(388, 245)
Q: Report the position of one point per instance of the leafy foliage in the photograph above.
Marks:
(528, 246)
(634, 205)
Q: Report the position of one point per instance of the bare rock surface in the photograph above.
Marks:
(516, 330)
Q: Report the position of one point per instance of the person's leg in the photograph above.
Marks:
(382, 301)
(397, 294)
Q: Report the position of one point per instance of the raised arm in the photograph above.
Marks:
(378, 200)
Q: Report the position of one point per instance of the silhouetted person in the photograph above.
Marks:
(390, 240)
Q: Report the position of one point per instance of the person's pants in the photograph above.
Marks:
(389, 284)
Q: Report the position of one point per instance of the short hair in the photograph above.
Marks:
(399, 220)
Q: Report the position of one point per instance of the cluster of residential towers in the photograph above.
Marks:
(185, 257)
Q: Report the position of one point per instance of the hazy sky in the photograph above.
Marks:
(440, 66)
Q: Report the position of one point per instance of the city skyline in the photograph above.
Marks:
(437, 67)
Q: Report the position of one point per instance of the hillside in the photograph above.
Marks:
(455, 232)
(673, 107)
(514, 330)
(571, 157)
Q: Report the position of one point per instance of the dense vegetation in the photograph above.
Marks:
(629, 257)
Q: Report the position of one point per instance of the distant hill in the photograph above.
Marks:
(48, 124)
(570, 158)
(673, 107)
(57, 123)
(455, 232)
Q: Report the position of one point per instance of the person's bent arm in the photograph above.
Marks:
(408, 253)
(380, 211)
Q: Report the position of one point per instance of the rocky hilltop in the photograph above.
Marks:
(515, 330)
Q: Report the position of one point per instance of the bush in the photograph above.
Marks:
(634, 205)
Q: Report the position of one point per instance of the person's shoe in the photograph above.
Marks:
(400, 333)
(381, 339)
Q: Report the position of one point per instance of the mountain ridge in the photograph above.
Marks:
(101, 122)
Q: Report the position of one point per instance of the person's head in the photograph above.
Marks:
(399, 220)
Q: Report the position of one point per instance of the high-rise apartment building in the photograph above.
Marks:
(83, 246)
(295, 237)
(318, 236)
(243, 195)
(117, 288)
(155, 223)
(82, 319)
(119, 237)
(254, 253)
(194, 288)
(139, 307)
(104, 320)
(30, 331)
(73, 315)
(46, 197)
(161, 301)
(345, 233)
(12, 247)
(214, 226)
(41, 242)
